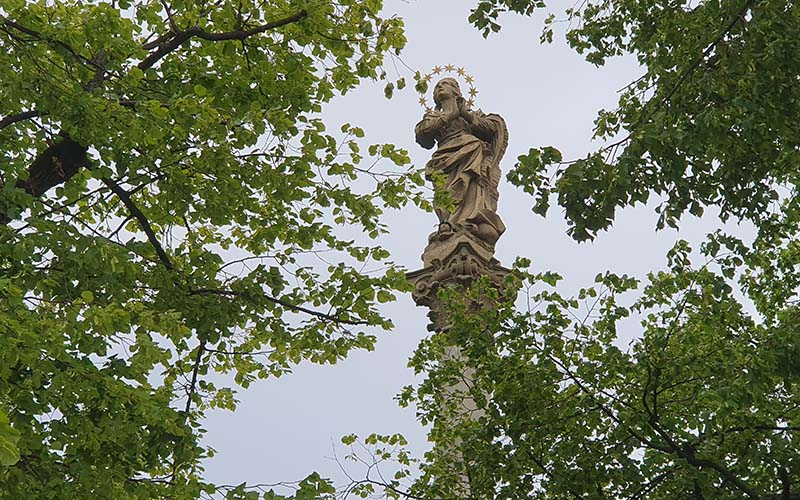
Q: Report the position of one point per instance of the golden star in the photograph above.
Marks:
(461, 72)
(423, 101)
(437, 70)
(450, 67)
(469, 79)
(470, 102)
(473, 92)
(428, 77)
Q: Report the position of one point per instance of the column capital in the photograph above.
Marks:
(458, 260)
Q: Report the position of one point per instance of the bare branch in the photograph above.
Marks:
(12, 119)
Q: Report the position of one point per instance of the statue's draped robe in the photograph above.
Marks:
(468, 154)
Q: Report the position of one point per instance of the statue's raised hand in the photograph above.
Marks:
(451, 109)
(464, 110)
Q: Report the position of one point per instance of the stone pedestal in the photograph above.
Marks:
(455, 259)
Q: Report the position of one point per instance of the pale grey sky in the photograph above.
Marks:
(284, 428)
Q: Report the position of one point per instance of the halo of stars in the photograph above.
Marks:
(449, 69)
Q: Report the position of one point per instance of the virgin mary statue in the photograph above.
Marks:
(469, 146)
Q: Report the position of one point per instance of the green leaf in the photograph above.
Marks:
(9, 437)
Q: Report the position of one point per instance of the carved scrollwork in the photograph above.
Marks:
(458, 261)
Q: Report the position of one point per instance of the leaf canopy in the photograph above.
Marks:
(712, 120)
(173, 206)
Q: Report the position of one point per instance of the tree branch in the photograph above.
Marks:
(696, 63)
(240, 353)
(193, 384)
(144, 223)
(190, 391)
(548, 473)
(687, 452)
(170, 44)
(38, 36)
(12, 119)
(242, 34)
(786, 484)
(652, 484)
(318, 314)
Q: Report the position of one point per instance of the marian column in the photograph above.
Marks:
(466, 162)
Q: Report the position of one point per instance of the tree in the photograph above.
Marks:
(704, 403)
(166, 186)
(711, 121)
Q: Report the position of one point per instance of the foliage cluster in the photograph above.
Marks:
(172, 206)
(712, 120)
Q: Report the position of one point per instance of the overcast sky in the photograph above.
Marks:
(285, 428)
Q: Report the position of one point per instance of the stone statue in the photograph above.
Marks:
(469, 146)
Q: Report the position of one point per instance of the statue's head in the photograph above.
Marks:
(446, 88)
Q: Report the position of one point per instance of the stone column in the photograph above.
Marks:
(456, 262)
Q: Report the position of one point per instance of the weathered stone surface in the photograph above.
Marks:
(469, 147)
